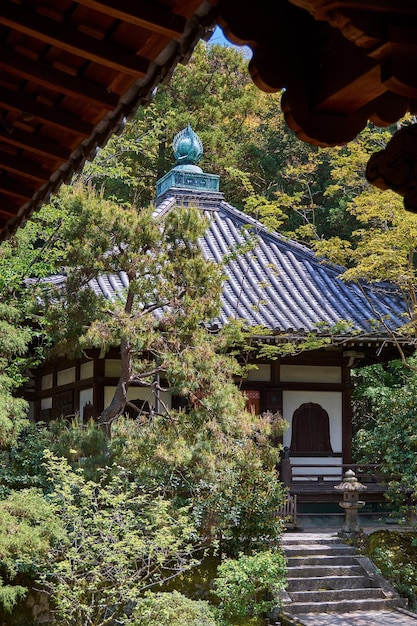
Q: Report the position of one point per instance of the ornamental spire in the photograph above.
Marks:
(187, 146)
(186, 176)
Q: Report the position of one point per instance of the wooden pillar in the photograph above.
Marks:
(346, 415)
(98, 386)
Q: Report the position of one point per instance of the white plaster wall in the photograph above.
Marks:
(47, 381)
(142, 393)
(112, 367)
(331, 401)
(64, 377)
(310, 374)
(86, 370)
(46, 403)
(327, 473)
(262, 373)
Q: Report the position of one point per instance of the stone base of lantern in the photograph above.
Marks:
(351, 528)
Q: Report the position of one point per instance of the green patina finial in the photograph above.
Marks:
(186, 176)
(188, 148)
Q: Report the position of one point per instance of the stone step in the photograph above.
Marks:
(328, 582)
(315, 571)
(325, 575)
(349, 606)
(330, 549)
(310, 539)
(321, 559)
(336, 595)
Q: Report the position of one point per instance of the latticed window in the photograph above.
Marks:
(64, 404)
(253, 400)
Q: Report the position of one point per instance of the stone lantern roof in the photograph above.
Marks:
(350, 482)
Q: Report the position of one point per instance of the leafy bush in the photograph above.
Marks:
(28, 528)
(119, 542)
(175, 609)
(395, 554)
(249, 586)
(389, 436)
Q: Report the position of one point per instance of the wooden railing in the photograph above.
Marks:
(315, 472)
(288, 511)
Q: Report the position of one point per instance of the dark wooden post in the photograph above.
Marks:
(286, 476)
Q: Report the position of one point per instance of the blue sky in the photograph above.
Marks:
(218, 38)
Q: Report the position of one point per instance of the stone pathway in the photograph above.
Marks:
(359, 618)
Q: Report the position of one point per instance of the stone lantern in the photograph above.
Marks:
(351, 487)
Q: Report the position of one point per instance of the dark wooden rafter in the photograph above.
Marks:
(37, 144)
(153, 17)
(21, 166)
(64, 37)
(15, 188)
(340, 64)
(27, 105)
(8, 208)
(57, 81)
(70, 74)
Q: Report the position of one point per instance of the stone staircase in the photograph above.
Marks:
(325, 575)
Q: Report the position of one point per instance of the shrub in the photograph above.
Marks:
(158, 609)
(395, 554)
(249, 586)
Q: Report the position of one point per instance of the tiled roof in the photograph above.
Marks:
(281, 284)
(278, 283)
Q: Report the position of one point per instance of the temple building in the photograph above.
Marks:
(280, 287)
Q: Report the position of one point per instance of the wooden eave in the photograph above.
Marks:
(340, 62)
(71, 73)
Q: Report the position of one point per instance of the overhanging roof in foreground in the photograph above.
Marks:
(71, 72)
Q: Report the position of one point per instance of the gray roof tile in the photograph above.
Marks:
(279, 283)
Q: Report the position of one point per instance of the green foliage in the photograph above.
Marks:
(173, 608)
(14, 339)
(221, 464)
(120, 541)
(383, 245)
(395, 554)
(249, 585)
(22, 465)
(28, 528)
(83, 445)
(158, 318)
(389, 436)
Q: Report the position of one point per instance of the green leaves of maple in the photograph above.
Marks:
(119, 541)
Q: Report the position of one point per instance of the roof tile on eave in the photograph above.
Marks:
(301, 291)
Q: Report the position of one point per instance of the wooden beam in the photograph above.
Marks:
(71, 40)
(47, 114)
(14, 188)
(25, 167)
(8, 210)
(46, 76)
(33, 142)
(154, 17)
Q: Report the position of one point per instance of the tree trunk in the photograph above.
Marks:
(118, 403)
